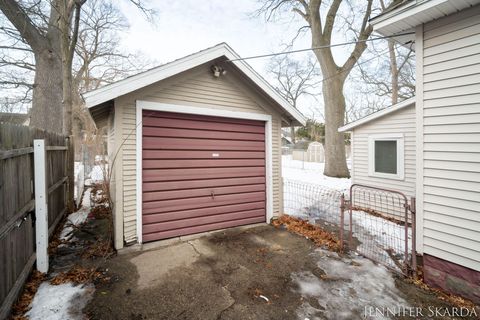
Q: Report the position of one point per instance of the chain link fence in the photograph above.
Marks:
(311, 201)
(377, 223)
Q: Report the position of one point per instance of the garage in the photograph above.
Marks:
(194, 145)
(201, 173)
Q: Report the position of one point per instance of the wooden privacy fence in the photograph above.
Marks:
(21, 162)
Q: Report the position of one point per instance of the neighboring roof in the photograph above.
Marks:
(410, 13)
(16, 118)
(378, 114)
(138, 81)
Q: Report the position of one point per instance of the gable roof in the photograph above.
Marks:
(411, 13)
(405, 103)
(16, 118)
(138, 81)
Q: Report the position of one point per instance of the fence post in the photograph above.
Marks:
(342, 219)
(303, 159)
(413, 205)
(70, 159)
(41, 204)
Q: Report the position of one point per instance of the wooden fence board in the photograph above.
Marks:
(17, 243)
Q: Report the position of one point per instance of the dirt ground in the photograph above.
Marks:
(254, 273)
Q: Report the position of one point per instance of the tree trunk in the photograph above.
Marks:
(46, 110)
(394, 70)
(334, 100)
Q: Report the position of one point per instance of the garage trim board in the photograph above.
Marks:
(204, 111)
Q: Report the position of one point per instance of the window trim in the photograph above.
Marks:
(399, 138)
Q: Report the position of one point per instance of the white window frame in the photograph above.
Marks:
(399, 138)
(206, 111)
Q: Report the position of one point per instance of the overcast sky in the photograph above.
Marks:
(186, 26)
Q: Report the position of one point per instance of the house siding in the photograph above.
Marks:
(401, 121)
(451, 135)
(196, 87)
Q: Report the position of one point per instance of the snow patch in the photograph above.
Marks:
(350, 284)
(98, 173)
(59, 302)
(78, 217)
(377, 235)
(311, 172)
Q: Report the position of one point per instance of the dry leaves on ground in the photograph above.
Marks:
(100, 212)
(315, 233)
(99, 249)
(29, 292)
(55, 238)
(79, 275)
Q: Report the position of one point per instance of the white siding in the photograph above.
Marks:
(196, 87)
(451, 138)
(111, 152)
(401, 121)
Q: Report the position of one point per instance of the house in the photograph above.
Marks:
(15, 118)
(194, 145)
(383, 148)
(447, 46)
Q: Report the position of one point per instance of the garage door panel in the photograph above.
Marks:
(196, 163)
(196, 174)
(201, 202)
(198, 154)
(173, 123)
(198, 118)
(158, 143)
(201, 173)
(185, 214)
(204, 134)
(202, 228)
(193, 184)
(203, 192)
(185, 223)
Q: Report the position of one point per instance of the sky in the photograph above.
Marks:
(183, 27)
(187, 26)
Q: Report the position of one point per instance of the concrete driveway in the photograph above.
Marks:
(247, 273)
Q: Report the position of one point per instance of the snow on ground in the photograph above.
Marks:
(378, 236)
(78, 217)
(311, 172)
(390, 234)
(97, 173)
(311, 195)
(349, 286)
(64, 301)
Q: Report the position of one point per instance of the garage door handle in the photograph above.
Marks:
(212, 194)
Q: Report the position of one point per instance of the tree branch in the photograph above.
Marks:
(330, 19)
(361, 44)
(22, 22)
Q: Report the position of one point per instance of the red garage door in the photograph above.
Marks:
(201, 173)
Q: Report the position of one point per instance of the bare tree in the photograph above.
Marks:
(390, 76)
(99, 60)
(294, 79)
(52, 39)
(359, 106)
(321, 22)
(49, 30)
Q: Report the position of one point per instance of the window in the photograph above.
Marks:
(386, 158)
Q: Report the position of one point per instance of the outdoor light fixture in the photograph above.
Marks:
(218, 71)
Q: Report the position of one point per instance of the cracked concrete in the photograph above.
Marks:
(223, 275)
(219, 276)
